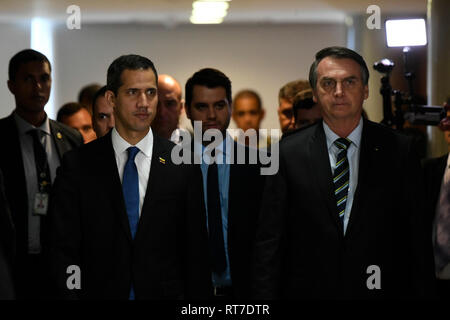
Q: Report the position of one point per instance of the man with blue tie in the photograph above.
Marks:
(231, 190)
(342, 217)
(122, 211)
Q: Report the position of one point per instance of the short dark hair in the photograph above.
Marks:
(88, 92)
(290, 89)
(67, 110)
(210, 78)
(100, 93)
(248, 93)
(303, 100)
(126, 62)
(338, 53)
(22, 57)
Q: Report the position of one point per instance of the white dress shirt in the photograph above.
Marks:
(353, 153)
(143, 159)
(26, 146)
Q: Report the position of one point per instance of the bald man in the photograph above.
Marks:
(170, 105)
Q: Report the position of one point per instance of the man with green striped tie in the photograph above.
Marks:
(342, 217)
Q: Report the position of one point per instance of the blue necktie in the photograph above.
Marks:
(130, 187)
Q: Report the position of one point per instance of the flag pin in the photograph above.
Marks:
(162, 160)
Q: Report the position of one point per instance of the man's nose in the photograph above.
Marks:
(339, 89)
(111, 122)
(142, 100)
(211, 112)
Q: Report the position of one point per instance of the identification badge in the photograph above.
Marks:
(40, 204)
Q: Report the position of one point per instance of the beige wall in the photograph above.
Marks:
(14, 37)
(261, 57)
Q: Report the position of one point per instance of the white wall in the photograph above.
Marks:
(13, 37)
(261, 57)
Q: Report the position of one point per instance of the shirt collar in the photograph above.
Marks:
(354, 136)
(221, 148)
(120, 145)
(25, 126)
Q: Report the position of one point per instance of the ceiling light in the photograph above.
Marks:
(209, 11)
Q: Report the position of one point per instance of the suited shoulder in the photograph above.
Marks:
(299, 136)
(432, 162)
(7, 123)
(67, 131)
(385, 132)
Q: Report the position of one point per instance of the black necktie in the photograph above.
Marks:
(216, 240)
(341, 176)
(40, 159)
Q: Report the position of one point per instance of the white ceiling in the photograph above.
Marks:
(178, 11)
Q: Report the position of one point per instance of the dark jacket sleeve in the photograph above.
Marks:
(7, 246)
(422, 272)
(198, 271)
(64, 226)
(270, 237)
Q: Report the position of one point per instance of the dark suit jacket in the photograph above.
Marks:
(16, 189)
(244, 203)
(90, 229)
(7, 246)
(301, 250)
(434, 170)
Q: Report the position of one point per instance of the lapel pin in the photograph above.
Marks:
(377, 149)
(162, 160)
(59, 135)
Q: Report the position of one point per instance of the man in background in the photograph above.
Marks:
(102, 113)
(86, 95)
(231, 191)
(34, 146)
(170, 106)
(306, 111)
(286, 99)
(76, 116)
(248, 114)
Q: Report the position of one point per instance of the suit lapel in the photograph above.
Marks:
(156, 176)
(319, 163)
(61, 145)
(370, 154)
(109, 166)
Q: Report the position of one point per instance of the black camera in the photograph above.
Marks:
(414, 113)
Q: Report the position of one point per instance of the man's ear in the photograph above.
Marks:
(182, 106)
(314, 96)
(110, 98)
(11, 87)
(263, 113)
(366, 92)
(188, 111)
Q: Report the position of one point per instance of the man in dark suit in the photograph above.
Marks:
(232, 189)
(33, 146)
(342, 217)
(124, 221)
(7, 246)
